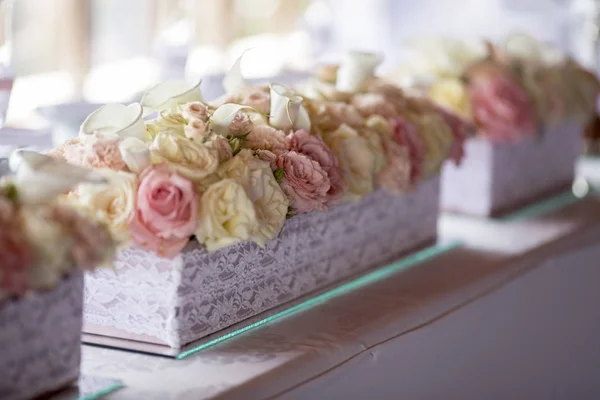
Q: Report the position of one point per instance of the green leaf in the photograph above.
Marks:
(11, 192)
(279, 172)
(236, 145)
(244, 136)
(290, 213)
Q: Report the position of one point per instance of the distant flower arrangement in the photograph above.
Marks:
(509, 91)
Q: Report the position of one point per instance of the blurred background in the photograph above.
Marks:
(69, 55)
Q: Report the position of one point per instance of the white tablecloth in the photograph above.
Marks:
(512, 314)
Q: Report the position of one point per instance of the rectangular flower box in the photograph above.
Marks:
(178, 301)
(498, 177)
(40, 338)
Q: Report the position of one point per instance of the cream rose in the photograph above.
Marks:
(452, 94)
(227, 215)
(357, 160)
(49, 243)
(189, 159)
(270, 202)
(375, 144)
(112, 203)
(168, 122)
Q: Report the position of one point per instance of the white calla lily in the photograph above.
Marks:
(169, 95)
(234, 81)
(223, 116)
(287, 111)
(355, 69)
(125, 121)
(39, 177)
(135, 154)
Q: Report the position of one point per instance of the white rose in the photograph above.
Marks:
(270, 202)
(112, 203)
(357, 160)
(189, 159)
(168, 122)
(227, 215)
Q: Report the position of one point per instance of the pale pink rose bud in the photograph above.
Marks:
(197, 130)
(195, 111)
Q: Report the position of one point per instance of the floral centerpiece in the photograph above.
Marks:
(45, 245)
(529, 104)
(236, 168)
(249, 190)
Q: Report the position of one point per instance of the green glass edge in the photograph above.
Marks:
(378, 274)
(103, 392)
(546, 206)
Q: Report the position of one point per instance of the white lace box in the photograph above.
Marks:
(496, 177)
(40, 338)
(176, 302)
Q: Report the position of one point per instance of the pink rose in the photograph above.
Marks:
(195, 111)
(257, 97)
(197, 130)
(317, 150)
(92, 244)
(16, 255)
(374, 104)
(95, 151)
(222, 146)
(407, 135)
(304, 182)
(265, 137)
(7, 210)
(268, 156)
(241, 124)
(502, 109)
(395, 176)
(341, 113)
(166, 211)
(392, 94)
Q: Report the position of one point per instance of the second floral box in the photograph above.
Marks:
(496, 178)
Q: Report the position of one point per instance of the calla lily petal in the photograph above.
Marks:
(355, 69)
(40, 178)
(223, 116)
(136, 154)
(169, 95)
(125, 121)
(287, 111)
(234, 81)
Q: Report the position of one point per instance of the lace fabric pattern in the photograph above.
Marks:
(40, 336)
(177, 301)
(498, 176)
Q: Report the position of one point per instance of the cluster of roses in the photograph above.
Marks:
(41, 243)
(234, 169)
(515, 89)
